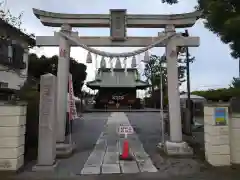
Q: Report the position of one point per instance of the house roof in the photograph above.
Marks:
(9, 28)
(119, 79)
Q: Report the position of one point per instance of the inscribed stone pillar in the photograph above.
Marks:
(62, 83)
(173, 89)
(47, 121)
(234, 130)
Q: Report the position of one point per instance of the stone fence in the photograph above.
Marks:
(12, 135)
(222, 132)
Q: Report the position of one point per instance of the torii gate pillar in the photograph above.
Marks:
(62, 92)
(176, 145)
(173, 88)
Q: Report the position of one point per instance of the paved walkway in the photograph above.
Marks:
(105, 157)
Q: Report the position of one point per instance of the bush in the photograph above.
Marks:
(224, 94)
(30, 94)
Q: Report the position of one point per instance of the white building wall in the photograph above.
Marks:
(12, 78)
(15, 80)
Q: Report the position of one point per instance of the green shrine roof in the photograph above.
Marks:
(119, 79)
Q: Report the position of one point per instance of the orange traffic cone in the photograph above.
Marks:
(125, 153)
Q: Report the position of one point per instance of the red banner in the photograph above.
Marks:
(72, 105)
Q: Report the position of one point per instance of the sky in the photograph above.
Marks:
(214, 67)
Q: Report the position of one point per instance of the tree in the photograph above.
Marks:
(152, 71)
(158, 64)
(170, 1)
(43, 65)
(7, 16)
(15, 21)
(78, 71)
(235, 83)
(223, 19)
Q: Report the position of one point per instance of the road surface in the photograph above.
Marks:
(98, 147)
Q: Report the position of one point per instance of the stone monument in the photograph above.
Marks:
(47, 122)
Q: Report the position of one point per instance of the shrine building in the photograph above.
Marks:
(117, 87)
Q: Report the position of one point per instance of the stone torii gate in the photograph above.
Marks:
(118, 21)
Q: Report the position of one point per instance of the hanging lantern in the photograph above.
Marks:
(103, 63)
(134, 62)
(118, 63)
(98, 75)
(137, 76)
(10, 51)
(89, 58)
(125, 65)
(146, 57)
(96, 65)
(181, 49)
(163, 58)
(111, 65)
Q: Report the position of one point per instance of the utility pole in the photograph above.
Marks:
(188, 123)
(239, 68)
(161, 104)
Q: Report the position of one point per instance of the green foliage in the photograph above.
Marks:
(153, 70)
(7, 16)
(235, 83)
(224, 94)
(15, 21)
(157, 64)
(44, 65)
(223, 18)
(29, 93)
(170, 1)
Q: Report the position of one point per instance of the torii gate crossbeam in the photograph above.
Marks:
(104, 20)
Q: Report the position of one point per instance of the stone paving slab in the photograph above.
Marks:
(140, 156)
(101, 146)
(147, 166)
(113, 148)
(129, 167)
(111, 158)
(95, 159)
(110, 169)
(91, 170)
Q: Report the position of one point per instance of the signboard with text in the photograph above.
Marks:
(118, 26)
(125, 130)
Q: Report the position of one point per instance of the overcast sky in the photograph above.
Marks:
(213, 68)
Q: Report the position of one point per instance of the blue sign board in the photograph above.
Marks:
(220, 116)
